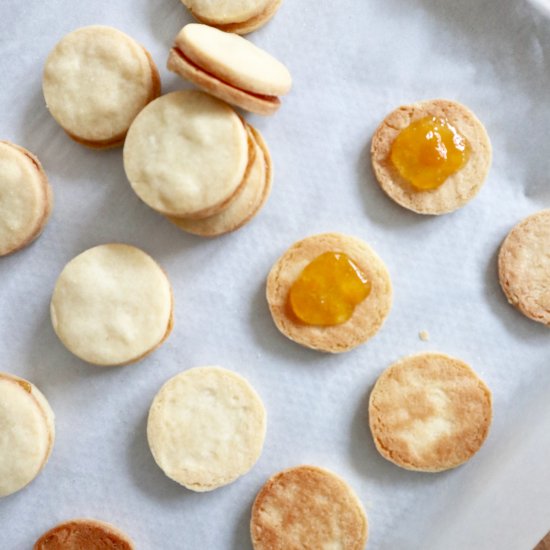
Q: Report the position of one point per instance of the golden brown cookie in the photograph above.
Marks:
(458, 188)
(524, 267)
(429, 412)
(367, 317)
(247, 201)
(84, 534)
(307, 508)
(26, 198)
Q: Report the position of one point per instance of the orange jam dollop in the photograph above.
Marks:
(328, 290)
(428, 151)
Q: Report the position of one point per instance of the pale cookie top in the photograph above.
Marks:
(26, 433)
(24, 197)
(524, 267)
(307, 508)
(206, 428)
(234, 59)
(112, 305)
(96, 80)
(84, 534)
(368, 316)
(460, 187)
(226, 11)
(186, 154)
(429, 412)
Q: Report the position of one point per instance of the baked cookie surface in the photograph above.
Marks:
(27, 433)
(460, 187)
(112, 305)
(84, 534)
(206, 428)
(96, 80)
(186, 154)
(26, 198)
(524, 267)
(367, 317)
(247, 201)
(429, 412)
(307, 508)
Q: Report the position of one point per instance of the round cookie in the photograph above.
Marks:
(429, 412)
(524, 267)
(112, 305)
(84, 534)
(230, 68)
(238, 16)
(368, 316)
(186, 154)
(460, 187)
(27, 433)
(245, 204)
(206, 428)
(307, 508)
(96, 80)
(26, 198)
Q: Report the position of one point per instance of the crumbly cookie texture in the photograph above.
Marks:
(229, 67)
(368, 316)
(248, 199)
(206, 428)
(112, 305)
(84, 534)
(429, 412)
(524, 267)
(186, 154)
(460, 187)
(26, 198)
(307, 508)
(27, 425)
(96, 80)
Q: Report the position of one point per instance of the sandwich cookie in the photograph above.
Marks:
(112, 305)
(96, 80)
(206, 428)
(26, 198)
(238, 16)
(524, 267)
(329, 292)
(246, 202)
(27, 433)
(187, 154)
(429, 412)
(431, 157)
(84, 534)
(230, 68)
(308, 508)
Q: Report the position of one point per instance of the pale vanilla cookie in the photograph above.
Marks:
(460, 187)
(238, 16)
(27, 433)
(247, 201)
(524, 267)
(230, 67)
(307, 508)
(429, 412)
(186, 154)
(96, 80)
(84, 534)
(112, 305)
(206, 428)
(368, 316)
(26, 198)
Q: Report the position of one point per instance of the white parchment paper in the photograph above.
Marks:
(352, 61)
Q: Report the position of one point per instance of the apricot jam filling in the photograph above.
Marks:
(428, 151)
(328, 290)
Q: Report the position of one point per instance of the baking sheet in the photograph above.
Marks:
(352, 61)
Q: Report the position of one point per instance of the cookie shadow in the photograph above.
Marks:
(167, 19)
(241, 539)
